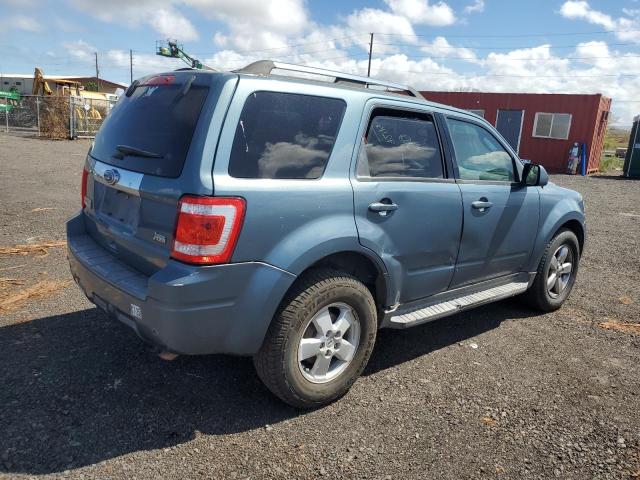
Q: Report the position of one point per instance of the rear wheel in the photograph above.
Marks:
(319, 341)
(556, 272)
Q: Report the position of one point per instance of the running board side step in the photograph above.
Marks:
(450, 307)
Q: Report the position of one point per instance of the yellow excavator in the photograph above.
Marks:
(66, 88)
(62, 87)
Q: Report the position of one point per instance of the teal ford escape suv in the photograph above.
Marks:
(288, 213)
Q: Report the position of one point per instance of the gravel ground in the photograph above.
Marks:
(500, 392)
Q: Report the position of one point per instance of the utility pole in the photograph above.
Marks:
(97, 72)
(370, 51)
(131, 65)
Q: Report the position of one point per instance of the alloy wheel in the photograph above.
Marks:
(329, 343)
(560, 270)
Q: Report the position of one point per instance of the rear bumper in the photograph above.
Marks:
(181, 308)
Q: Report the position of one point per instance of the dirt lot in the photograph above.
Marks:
(501, 392)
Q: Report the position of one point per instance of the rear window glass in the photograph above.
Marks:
(285, 135)
(151, 130)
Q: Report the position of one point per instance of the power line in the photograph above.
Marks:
(457, 47)
(567, 76)
(519, 35)
(418, 57)
(283, 47)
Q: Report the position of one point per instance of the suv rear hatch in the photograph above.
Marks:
(152, 149)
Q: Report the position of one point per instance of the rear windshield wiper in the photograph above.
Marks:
(123, 150)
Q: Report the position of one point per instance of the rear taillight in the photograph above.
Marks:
(159, 80)
(83, 187)
(207, 229)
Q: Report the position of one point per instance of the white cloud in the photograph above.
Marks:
(252, 30)
(254, 24)
(440, 47)
(79, 49)
(279, 16)
(143, 64)
(582, 10)
(20, 22)
(627, 28)
(171, 24)
(374, 20)
(19, 3)
(535, 69)
(476, 7)
(423, 12)
(160, 15)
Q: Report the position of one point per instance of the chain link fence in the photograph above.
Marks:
(53, 116)
(87, 115)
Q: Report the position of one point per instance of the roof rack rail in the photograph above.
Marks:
(265, 67)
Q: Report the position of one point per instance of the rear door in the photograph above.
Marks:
(509, 124)
(407, 210)
(153, 147)
(500, 215)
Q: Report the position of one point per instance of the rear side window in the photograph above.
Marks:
(150, 131)
(285, 135)
(478, 154)
(401, 145)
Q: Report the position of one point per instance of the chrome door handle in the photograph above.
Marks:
(481, 205)
(382, 208)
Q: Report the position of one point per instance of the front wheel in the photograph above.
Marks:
(556, 272)
(320, 340)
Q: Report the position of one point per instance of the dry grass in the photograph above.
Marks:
(6, 282)
(42, 209)
(488, 421)
(625, 300)
(39, 249)
(620, 326)
(54, 123)
(11, 301)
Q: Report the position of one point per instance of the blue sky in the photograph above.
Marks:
(569, 46)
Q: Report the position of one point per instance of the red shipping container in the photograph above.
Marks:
(589, 115)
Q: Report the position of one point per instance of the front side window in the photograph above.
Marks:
(552, 125)
(401, 145)
(478, 154)
(285, 135)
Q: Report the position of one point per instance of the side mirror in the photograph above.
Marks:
(534, 175)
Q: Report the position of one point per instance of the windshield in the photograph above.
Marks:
(150, 128)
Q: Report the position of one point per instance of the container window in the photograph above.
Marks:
(552, 125)
(285, 135)
(479, 113)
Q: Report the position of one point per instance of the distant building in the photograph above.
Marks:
(24, 83)
(540, 127)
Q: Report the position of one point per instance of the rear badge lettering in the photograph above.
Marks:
(158, 237)
(136, 311)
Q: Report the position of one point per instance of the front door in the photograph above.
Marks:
(406, 209)
(509, 124)
(500, 215)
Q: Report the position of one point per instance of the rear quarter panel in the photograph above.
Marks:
(291, 224)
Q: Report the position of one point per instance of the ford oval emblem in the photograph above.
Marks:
(112, 176)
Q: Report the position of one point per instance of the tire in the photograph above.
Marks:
(542, 297)
(317, 296)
